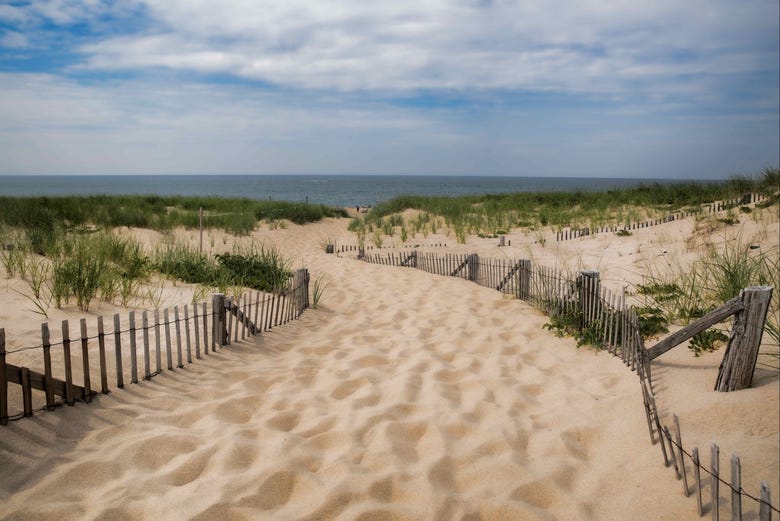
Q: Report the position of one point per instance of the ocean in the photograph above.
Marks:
(331, 190)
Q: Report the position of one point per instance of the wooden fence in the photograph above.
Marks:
(574, 233)
(176, 333)
(605, 319)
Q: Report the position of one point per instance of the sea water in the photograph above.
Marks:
(331, 190)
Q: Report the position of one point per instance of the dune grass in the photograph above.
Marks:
(45, 217)
(494, 214)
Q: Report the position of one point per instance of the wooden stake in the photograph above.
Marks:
(714, 482)
(69, 398)
(49, 381)
(102, 355)
(120, 379)
(197, 330)
(133, 354)
(85, 361)
(168, 354)
(187, 334)
(157, 342)
(147, 362)
(179, 363)
(697, 478)
(736, 488)
(680, 454)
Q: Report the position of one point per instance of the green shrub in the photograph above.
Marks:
(706, 341)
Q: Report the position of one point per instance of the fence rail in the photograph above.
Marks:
(603, 318)
(207, 329)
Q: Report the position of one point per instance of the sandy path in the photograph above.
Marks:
(404, 396)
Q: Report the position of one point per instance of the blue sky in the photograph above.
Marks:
(662, 89)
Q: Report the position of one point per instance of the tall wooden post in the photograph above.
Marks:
(739, 360)
(220, 316)
(473, 264)
(590, 288)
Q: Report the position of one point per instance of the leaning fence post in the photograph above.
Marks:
(739, 361)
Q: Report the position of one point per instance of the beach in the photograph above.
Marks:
(402, 396)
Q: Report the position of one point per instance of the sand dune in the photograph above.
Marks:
(404, 396)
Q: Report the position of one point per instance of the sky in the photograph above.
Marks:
(625, 88)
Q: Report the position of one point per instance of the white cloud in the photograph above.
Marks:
(350, 45)
(14, 40)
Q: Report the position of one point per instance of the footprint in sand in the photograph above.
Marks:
(370, 361)
(188, 471)
(323, 425)
(403, 439)
(272, 493)
(284, 422)
(347, 388)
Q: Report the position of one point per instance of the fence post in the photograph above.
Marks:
(473, 264)
(220, 324)
(589, 291)
(525, 280)
(739, 360)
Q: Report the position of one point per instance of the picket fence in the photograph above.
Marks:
(209, 328)
(716, 207)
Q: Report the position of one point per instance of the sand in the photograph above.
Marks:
(402, 396)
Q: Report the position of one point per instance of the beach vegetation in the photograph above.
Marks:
(44, 217)
(264, 268)
(319, 284)
(707, 341)
(490, 213)
(378, 238)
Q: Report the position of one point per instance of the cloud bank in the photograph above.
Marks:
(651, 89)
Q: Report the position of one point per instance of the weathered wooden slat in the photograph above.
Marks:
(187, 334)
(196, 329)
(229, 305)
(69, 396)
(205, 329)
(739, 361)
(102, 356)
(120, 379)
(27, 393)
(157, 342)
(3, 381)
(179, 362)
(715, 482)
(133, 354)
(697, 479)
(765, 508)
(257, 326)
(736, 489)
(678, 439)
(49, 389)
(168, 345)
(713, 317)
(85, 360)
(147, 352)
